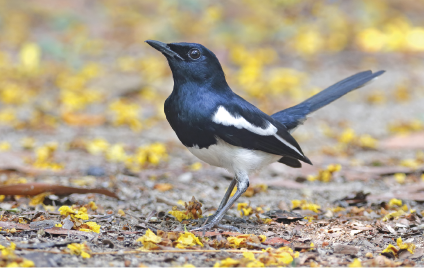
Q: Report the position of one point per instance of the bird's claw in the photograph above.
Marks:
(235, 219)
(205, 227)
(202, 220)
(214, 223)
(228, 227)
(226, 217)
(211, 225)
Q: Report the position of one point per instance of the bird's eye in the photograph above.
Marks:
(194, 54)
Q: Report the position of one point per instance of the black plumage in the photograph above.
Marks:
(223, 129)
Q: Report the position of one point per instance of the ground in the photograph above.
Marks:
(90, 118)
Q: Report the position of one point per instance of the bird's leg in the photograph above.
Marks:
(223, 202)
(242, 185)
(227, 194)
(224, 199)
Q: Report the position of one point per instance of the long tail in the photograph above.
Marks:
(296, 115)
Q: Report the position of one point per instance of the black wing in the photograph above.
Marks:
(279, 143)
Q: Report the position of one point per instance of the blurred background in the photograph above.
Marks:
(77, 79)
(81, 104)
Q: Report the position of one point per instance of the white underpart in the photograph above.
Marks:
(233, 158)
(222, 116)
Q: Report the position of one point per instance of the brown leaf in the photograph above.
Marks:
(38, 188)
(60, 231)
(354, 198)
(10, 225)
(362, 228)
(409, 141)
(408, 192)
(194, 208)
(163, 187)
(345, 249)
(54, 230)
(418, 253)
(276, 241)
(306, 257)
(209, 234)
(284, 216)
(383, 171)
(382, 261)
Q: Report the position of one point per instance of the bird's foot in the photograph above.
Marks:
(211, 225)
(213, 221)
(226, 217)
(228, 227)
(204, 219)
(234, 219)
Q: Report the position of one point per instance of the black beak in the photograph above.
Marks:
(164, 48)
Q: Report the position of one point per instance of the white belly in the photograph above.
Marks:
(233, 158)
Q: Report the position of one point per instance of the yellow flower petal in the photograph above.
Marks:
(400, 177)
(395, 202)
(196, 166)
(356, 263)
(189, 239)
(249, 255)
(228, 262)
(85, 255)
(27, 263)
(93, 226)
(391, 248)
(38, 199)
(30, 56)
(179, 215)
(408, 246)
(65, 210)
(149, 240)
(79, 249)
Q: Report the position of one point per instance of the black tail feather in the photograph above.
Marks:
(291, 162)
(295, 115)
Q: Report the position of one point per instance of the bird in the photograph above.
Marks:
(222, 129)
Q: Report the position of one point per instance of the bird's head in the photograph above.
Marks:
(191, 62)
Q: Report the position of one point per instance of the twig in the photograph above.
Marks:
(150, 215)
(182, 251)
(145, 222)
(11, 210)
(204, 231)
(256, 245)
(155, 251)
(45, 245)
(170, 203)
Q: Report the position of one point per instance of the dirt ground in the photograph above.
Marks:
(356, 231)
(364, 192)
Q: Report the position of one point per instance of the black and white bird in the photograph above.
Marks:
(223, 129)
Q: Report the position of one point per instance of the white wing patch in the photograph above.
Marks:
(288, 144)
(222, 116)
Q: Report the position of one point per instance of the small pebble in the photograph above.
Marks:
(185, 177)
(96, 171)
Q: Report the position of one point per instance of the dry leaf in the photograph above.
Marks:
(32, 189)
